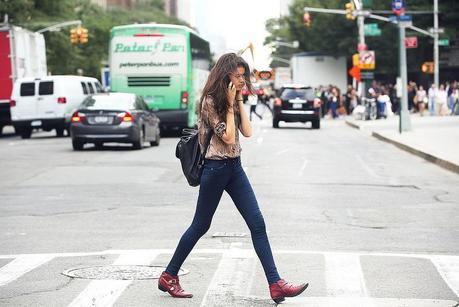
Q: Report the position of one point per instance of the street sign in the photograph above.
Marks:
(355, 59)
(367, 75)
(265, 75)
(439, 30)
(367, 60)
(354, 72)
(398, 7)
(443, 42)
(405, 21)
(411, 42)
(372, 29)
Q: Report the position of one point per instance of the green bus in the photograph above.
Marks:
(167, 65)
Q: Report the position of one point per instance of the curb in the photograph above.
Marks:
(438, 161)
(352, 125)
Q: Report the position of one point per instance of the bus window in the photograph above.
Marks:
(200, 52)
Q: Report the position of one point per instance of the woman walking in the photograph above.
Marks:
(221, 109)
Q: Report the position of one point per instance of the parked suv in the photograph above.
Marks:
(296, 103)
(48, 102)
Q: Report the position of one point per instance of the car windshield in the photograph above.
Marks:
(110, 102)
(301, 93)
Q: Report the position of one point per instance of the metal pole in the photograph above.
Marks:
(436, 48)
(361, 26)
(405, 121)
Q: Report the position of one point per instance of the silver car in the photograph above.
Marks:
(114, 117)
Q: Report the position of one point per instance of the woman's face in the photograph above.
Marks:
(238, 78)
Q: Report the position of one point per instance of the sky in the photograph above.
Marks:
(231, 25)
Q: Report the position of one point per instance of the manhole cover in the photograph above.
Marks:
(118, 272)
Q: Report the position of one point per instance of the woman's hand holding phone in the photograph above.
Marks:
(231, 94)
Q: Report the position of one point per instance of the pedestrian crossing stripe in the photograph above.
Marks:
(343, 272)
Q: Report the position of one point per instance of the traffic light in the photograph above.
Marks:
(73, 36)
(350, 8)
(79, 35)
(307, 19)
(427, 67)
(84, 36)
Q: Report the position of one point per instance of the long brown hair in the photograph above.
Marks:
(219, 79)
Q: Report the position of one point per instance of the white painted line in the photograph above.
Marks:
(105, 292)
(230, 277)
(362, 302)
(282, 152)
(222, 250)
(343, 274)
(448, 267)
(366, 167)
(303, 167)
(21, 265)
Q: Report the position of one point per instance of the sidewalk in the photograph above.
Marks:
(433, 138)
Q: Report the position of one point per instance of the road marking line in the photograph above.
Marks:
(282, 152)
(303, 167)
(222, 250)
(366, 167)
(105, 292)
(361, 302)
(343, 274)
(448, 267)
(231, 275)
(21, 265)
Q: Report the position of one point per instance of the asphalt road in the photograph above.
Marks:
(363, 222)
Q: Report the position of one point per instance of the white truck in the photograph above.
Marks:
(282, 75)
(22, 54)
(315, 69)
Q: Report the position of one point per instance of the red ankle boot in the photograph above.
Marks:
(282, 289)
(171, 284)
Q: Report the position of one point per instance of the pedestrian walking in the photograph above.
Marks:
(253, 101)
(333, 101)
(441, 101)
(432, 93)
(421, 99)
(221, 109)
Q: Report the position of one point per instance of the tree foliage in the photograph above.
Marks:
(337, 36)
(62, 56)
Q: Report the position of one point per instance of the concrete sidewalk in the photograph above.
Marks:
(433, 138)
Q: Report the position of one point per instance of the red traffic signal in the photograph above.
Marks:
(307, 19)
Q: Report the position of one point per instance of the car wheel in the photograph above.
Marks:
(157, 140)
(139, 143)
(316, 124)
(77, 145)
(60, 132)
(275, 123)
(25, 132)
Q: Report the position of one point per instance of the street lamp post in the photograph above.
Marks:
(436, 48)
(404, 118)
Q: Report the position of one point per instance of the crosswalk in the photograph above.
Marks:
(233, 279)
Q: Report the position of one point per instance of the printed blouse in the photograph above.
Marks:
(208, 119)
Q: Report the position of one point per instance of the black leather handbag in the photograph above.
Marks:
(190, 155)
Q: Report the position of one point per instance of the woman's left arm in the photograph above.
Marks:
(244, 127)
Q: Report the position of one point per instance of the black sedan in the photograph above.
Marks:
(297, 103)
(114, 117)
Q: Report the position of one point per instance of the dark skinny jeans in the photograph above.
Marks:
(218, 176)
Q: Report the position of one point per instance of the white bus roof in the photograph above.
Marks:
(156, 25)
